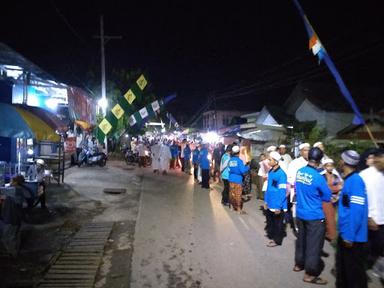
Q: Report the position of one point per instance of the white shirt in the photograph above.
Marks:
(293, 167)
(141, 149)
(374, 183)
(287, 159)
(263, 172)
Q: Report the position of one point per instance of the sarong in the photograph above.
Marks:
(235, 199)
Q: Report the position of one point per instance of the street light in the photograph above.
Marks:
(103, 104)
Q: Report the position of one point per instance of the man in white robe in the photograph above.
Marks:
(165, 157)
(295, 165)
(155, 151)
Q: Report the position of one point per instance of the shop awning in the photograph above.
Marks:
(17, 122)
(48, 117)
(83, 124)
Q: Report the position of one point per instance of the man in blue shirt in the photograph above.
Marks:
(353, 226)
(236, 171)
(311, 191)
(275, 200)
(224, 171)
(174, 153)
(195, 161)
(187, 159)
(204, 165)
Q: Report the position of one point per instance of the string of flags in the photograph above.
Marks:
(124, 106)
(144, 114)
(172, 120)
(319, 50)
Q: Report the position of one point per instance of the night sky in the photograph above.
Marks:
(198, 48)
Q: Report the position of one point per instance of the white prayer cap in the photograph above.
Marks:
(350, 157)
(327, 161)
(304, 145)
(235, 149)
(317, 144)
(282, 146)
(271, 148)
(275, 155)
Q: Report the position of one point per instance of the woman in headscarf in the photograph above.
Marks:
(236, 171)
(247, 180)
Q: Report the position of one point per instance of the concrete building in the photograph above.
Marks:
(217, 119)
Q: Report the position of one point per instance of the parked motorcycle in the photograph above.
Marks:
(131, 157)
(86, 156)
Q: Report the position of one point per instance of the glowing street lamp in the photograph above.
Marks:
(103, 104)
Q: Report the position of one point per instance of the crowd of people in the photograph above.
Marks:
(317, 191)
(327, 201)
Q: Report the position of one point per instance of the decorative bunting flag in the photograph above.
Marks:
(132, 121)
(124, 105)
(130, 96)
(319, 50)
(155, 106)
(142, 82)
(172, 120)
(118, 111)
(105, 126)
(143, 113)
(148, 111)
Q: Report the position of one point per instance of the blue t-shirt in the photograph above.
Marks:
(311, 191)
(195, 156)
(353, 209)
(275, 196)
(203, 159)
(174, 151)
(225, 166)
(236, 170)
(187, 153)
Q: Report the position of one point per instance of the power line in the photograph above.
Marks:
(317, 71)
(70, 27)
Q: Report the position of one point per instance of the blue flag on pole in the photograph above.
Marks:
(318, 49)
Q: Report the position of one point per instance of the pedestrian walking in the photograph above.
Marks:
(236, 172)
(164, 158)
(373, 178)
(276, 201)
(195, 161)
(218, 152)
(224, 172)
(247, 177)
(142, 149)
(204, 164)
(174, 153)
(311, 191)
(155, 149)
(264, 169)
(353, 226)
(187, 159)
(182, 147)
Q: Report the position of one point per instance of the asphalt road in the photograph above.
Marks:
(185, 238)
(169, 232)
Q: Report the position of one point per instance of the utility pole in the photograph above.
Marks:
(103, 40)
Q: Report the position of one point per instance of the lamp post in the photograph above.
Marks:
(103, 103)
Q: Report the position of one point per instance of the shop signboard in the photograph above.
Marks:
(70, 145)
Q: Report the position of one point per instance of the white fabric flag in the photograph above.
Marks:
(143, 113)
(155, 106)
(132, 120)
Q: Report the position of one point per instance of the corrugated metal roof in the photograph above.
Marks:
(8, 56)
